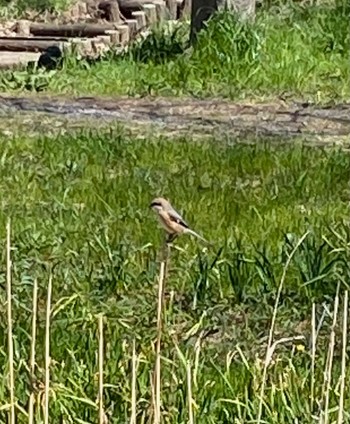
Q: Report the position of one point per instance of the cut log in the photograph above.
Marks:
(172, 8)
(80, 47)
(186, 7)
(28, 45)
(151, 13)
(23, 28)
(18, 38)
(17, 60)
(70, 30)
(132, 24)
(140, 18)
(160, 9)
(114, 37)
(123, 34)
(110, 10)
(131, 5)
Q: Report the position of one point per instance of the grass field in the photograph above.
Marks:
(290, 50)
(276, 212)
(79, 202)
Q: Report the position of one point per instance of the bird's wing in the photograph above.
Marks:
(176, 217)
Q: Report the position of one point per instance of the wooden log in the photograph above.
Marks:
(140, 18)
(131, 5)
(28, 45)
(82, 9)
(185, 7)
(23, 28)
(70, 30)
(98, 47)
(151, 13)
(132, 24)
(110, 10)
(74, 12)
(79, 47)
(160, 9)
(19, 38)
(106, 39)
(172, 9)
(124, 34)
(114, 37)
(17, 60)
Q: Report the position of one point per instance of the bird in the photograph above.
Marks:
(172, 221)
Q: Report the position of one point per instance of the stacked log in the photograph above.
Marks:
(121, 21)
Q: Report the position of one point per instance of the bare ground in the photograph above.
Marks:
(320, 125)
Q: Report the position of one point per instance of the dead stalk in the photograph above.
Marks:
(32, 352)
(100, 370)
(12, 417)
(328, 371)
(161, 285)
(47, 351)
(189, 393)
(343, 358)
(133, 385)
(272, 327)
(313, 356)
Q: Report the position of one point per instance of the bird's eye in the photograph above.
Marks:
(155, 204)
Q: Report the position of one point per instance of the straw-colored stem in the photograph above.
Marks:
(133, 385)
(161, 285)
(32, 353)
(328, 372)
(313, 356)
(47, 351)
(272, 327)
(189, 393)
(12, 417)
(343, 359)
(100, 371)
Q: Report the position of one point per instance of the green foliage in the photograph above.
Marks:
(79, 202)
(299, 51)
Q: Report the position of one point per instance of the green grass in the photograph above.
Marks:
(294, 51)
(11, 9)
(79, 202)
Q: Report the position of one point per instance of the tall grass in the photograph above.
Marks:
(290, 51)
(79, 209)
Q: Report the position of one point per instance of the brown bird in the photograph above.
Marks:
(172, 221)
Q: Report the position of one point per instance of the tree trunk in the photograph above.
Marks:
(202, 10)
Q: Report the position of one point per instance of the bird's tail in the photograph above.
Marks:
(193, 233)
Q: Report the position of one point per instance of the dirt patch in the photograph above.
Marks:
(320, 124)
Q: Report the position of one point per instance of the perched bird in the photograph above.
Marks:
(171, 221)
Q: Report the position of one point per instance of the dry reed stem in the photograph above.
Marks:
(101, 414)
(272, 327)
(328, 371)
(343, 358)
(32, 352)
(157, 371)
(133, 385)
(313, 356)
(47, 351)
(189, 393)
(12, 418)
(283, 340)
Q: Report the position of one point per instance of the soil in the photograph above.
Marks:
(319, 125)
